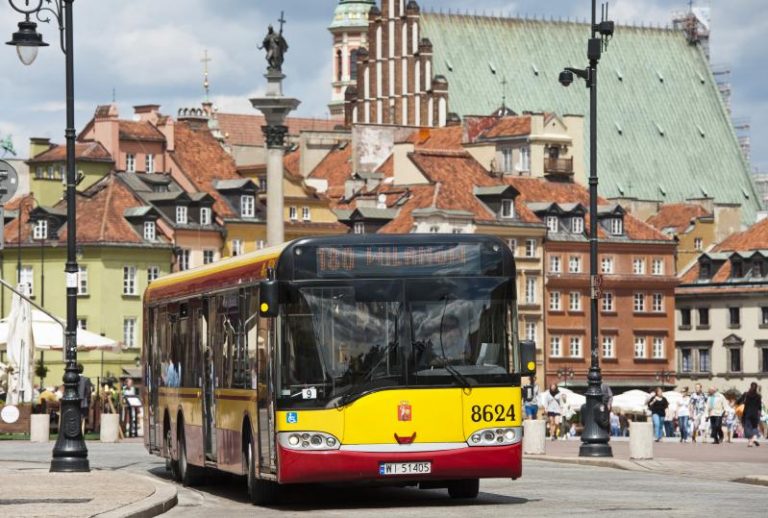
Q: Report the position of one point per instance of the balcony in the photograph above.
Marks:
(558, 167)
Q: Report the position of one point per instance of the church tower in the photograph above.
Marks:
(350, 32)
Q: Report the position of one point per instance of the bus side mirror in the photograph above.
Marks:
(528, 357)
(269, 298)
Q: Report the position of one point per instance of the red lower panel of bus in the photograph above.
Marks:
(345, 466)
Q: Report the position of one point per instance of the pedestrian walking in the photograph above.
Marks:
(84, 391)
(716, 404)
(683, 413)
(753, 403)
(658, 405)
(532, 404)
(669, 421)
(615, 425)
(698, 411)
(730, 418)
(554, 400)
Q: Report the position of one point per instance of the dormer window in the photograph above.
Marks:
(247, 206)
(507, 209)
(616, 226)
(577, 225)
(552, 223)
(758, 269)
(150, 230)
(737, 269)
(205, 216)
(705, 270)
(40, 230)
(359, 227)
(181, 215)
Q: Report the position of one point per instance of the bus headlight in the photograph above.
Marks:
(496, 436)
(308, 441)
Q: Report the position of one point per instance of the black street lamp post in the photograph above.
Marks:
(565, 373)
(595, 438)
(70, 453)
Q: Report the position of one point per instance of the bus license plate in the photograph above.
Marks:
(405, 468)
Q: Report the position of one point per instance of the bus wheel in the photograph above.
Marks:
(188, 475)
(260, 492)
(171, 465)
(464, 488)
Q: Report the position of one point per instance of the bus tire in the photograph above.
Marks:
(189, 475)
(464, 488)
(260, 492)
(170, 464)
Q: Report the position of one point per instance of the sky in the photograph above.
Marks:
(150, 51)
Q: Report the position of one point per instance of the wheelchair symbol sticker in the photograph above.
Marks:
(292, 417)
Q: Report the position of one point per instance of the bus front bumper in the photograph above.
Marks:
(300, 467)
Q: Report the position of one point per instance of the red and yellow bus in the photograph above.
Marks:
(373, 359)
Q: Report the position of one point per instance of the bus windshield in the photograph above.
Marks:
(343, 340)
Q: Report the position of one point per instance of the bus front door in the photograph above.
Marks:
(208, 385)
(152, 381)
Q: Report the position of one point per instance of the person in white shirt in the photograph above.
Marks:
(683, 413)
(554, 400)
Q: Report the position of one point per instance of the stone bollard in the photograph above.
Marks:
(39, 428)
(534, 436)
(641, 440)
(110, 427)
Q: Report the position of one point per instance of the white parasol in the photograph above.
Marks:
(21, 352)
(631, 402)
(49, 334)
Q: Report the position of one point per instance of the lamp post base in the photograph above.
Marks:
(70, 455)
(595, 450)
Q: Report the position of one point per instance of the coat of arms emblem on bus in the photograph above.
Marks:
(404, 411)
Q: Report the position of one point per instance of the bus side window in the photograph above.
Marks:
(252, 339)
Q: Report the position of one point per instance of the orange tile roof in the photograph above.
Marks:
(421, 196)
(203, 161)
(509, 127)
(292, 165)
(677, 216)
(754, 238)
(336, 169)
(26, 203)
(245, 130)
(84, 152)
(140, 130)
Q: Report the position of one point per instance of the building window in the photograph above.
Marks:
(506, 160)
(293, 213)
(734, 359)
(530, 331)
(657, 267)
(577, 225)
(184, 259)
(639, 302)
(208, 256)
(606, 265)
(262, 184)
(530, 248)
(574, 301)
(525, 159)
(554, 264)
(359, 227)
(705, 270)
(552, 223)
(339, 67)
(734, 317)
(764, 359)
(703, 317)
(129, 280)
(434, 229)
(82, 323)
(237, 247)
(129, 332)
(181, 215)
(608, 305)
(705, 361)
(575, 347)
(353, 65)
(512, 244)
(27, 280)
(764, 316)
(696, 359)
(698, 244)
(737, 269)
(685, 318)
(530, 290)
(306, 215)
(638, 266)
(153, 272)
(639, 347)
(247, 206)
(686, 360)
(150, 230)
(658, 348)
(554, 301)
(205, 216)
(617, 226)
(130, 163)
(82, 280)
(555, 346)
(658, 303)
(574, 264)
(507, 209)
(758, 269)
(40, 230)
(149, 164)
(609, 347)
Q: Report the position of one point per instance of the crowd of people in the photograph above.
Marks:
(690, 418)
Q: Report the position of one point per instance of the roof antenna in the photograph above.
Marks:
(206, 83)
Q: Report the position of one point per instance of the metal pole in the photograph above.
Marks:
(70, 453)
(594, 439)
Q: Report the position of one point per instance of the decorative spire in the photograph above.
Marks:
(206, 84)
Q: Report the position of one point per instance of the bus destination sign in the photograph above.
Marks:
(446, 259)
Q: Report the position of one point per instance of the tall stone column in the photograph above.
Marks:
(275, 108)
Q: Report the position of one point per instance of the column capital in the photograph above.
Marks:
(275, 136)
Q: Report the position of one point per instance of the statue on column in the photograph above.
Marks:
(276, 46)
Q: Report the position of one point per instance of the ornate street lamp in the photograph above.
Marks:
(565, 373)
(594, 440)
(664, 376)
(69, 453)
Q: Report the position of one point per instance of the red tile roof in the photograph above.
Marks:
(336, 169)
(677, 216)
(509, 127)
(245, 130)
(292, 165)
(140, 130)
(448, 138)
(26, 203)
(84, 152)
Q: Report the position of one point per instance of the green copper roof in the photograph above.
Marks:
(352, 13)
(663, 129)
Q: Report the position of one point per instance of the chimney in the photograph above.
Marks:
(38, 145)
(147, 112)
(106, 129)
